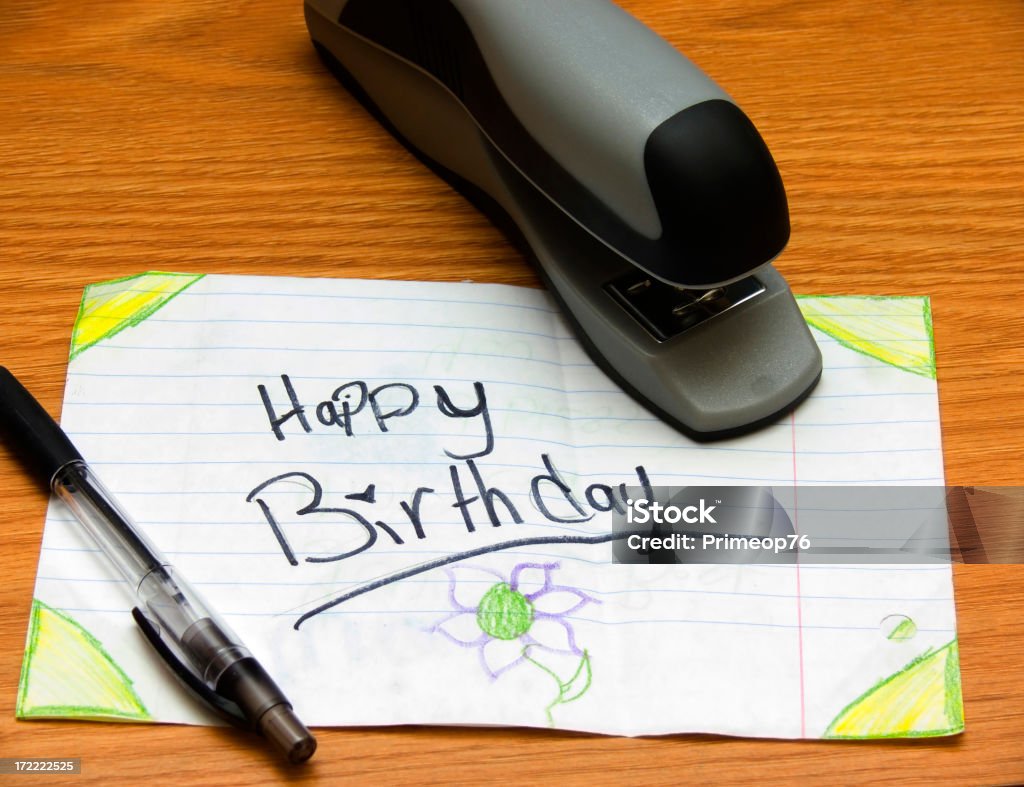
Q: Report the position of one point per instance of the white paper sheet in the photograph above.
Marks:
(164, 400)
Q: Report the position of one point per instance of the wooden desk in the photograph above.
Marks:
(205, 136)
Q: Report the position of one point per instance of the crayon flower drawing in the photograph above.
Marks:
(522, 619)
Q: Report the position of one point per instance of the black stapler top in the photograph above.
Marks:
(649, 201)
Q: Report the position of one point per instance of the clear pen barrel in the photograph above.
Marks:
(111, 528)
(180, 613)
(166, 599)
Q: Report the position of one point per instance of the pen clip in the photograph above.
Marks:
(223, 707)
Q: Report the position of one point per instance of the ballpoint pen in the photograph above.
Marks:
(200, 648)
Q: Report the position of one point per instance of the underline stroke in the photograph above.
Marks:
(459, 556)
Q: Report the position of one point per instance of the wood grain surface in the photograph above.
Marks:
(205, 136)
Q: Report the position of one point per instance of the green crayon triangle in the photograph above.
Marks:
(894, 330)
(109, 307)
(921, 700)
(67, 673)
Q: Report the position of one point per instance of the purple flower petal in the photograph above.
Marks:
(468, 584)
(553, 633)
(532, 578)
(462, 629)
(558, 600)
(500, 655)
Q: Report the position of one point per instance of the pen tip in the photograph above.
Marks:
(281, 726)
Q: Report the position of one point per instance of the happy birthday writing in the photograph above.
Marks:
(354, 409)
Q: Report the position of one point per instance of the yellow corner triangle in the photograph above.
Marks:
(921, 700)
(109, 307)
(67, 673)
(894, 330)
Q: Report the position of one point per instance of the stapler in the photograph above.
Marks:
(645, 196)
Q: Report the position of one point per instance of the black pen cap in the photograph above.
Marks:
(29, 431)
(248, 685)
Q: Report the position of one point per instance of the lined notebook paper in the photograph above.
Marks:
(304, 450)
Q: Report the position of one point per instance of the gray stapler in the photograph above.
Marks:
(648, 200)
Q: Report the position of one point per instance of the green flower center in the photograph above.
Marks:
(504, 613)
